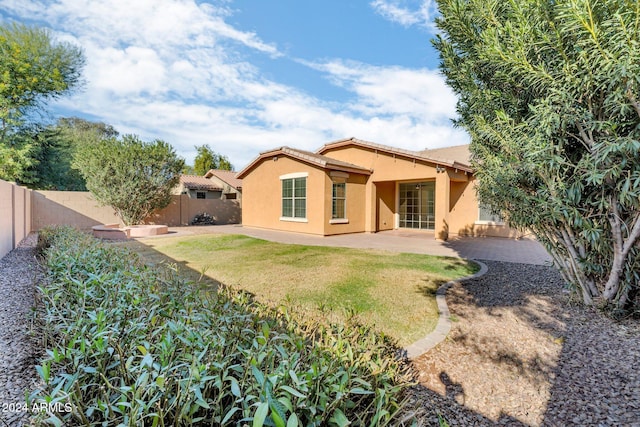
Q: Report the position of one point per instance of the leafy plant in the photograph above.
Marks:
(207, 159)
(134, 177)
(33, 70)
(550, 93)
(128, 344)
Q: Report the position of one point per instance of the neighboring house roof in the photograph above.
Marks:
(229, 177)
(194, 182)
(310, 158)
(433, 156)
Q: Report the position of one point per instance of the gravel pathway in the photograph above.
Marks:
(18, 273)
(520, 354)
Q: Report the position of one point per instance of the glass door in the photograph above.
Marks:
(417, 205)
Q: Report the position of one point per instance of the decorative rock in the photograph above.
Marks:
(19, 273)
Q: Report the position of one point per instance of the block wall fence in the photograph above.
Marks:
(23, 210)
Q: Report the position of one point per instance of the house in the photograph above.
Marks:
(351, 186)
(198, 187)
(228, 181)
(215, 184)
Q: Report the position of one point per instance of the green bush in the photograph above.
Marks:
(129, 344)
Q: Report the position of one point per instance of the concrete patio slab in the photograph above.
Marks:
(525, 251)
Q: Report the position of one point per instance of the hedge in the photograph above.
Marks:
(132, 344)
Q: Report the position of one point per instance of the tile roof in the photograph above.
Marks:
(433, 156)
(308, 157)
(230, 177)
(458, 153)
(194, 182)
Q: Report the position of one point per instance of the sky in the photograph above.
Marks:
(246, 76)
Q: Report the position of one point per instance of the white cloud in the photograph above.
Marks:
(407, 12)
(173, 69)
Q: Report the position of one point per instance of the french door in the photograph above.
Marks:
(417, 205)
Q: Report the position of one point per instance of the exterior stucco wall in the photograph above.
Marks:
(355, 199)
(262, 186)
(226, 189)
(208, 195)
(387, 167)
(464, 215)
(464, 208)
(386, 193)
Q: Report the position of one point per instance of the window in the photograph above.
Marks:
(201, 195)
(485, 215)
(230, 196)
(294, 198)
(339, 201)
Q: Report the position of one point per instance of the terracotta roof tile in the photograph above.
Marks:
(230, 177)
(194, 182)
(428, 155)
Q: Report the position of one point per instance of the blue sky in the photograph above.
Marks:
(246, 76)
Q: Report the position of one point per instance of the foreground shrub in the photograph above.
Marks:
(128, 344)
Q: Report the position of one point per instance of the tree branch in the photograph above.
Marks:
(588, 141)
(633, 101)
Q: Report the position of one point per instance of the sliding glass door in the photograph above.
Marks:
(417, 205)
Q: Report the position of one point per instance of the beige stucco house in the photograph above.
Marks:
(198, 187)
(228, 181)
(351, 186)
(215, 184)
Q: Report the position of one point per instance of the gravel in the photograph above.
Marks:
(520, 353)
(18, 273)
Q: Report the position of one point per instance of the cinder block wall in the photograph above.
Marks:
(183, 209)
(75, 208)
(15, 215)
(79, 209)
(23, 210)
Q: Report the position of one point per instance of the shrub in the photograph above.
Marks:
(131, 344)
(134, 177)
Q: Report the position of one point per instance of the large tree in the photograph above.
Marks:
(207, 159)
(134, 177)
(550, 94)
(33, 70)
(53, 148)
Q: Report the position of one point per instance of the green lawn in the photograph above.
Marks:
(393, 291)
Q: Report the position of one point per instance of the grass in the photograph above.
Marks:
(393, 291)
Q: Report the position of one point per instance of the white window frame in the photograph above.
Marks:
(293, 177)
(343, 219)
(496, 219)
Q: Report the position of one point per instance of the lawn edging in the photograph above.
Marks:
(443, 327)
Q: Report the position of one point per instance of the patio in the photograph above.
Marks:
(524, 251)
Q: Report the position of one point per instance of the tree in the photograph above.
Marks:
(53, 150)
(207, 159)
(134, 177)
(550, 94)
(33, 70)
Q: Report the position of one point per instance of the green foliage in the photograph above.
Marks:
(17, 159)
(128, 344)
(134, 177)
(51, 151)
(207, 159)
(33, 70)
(549, 92)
